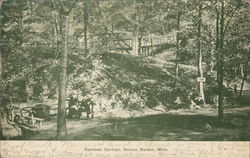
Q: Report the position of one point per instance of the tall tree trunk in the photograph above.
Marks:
(1, 132)
(221, 64)
(56, 32)
(217, 34)
(199, 52)
(86, 17)
(242, 85)
(135, 41)
(61, 116)
(245, 73)
(177, 45)
(235, 81)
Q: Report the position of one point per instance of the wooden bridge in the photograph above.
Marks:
(147, 49)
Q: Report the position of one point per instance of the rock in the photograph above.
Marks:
(237, 122)
(207, 127)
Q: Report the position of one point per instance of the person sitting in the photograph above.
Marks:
(199, 100)
(195, 100)
(73, 108)
(193, 105)
(85, 106)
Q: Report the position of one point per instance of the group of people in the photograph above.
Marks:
(75, 107)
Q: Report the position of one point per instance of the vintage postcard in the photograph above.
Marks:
(125, 78)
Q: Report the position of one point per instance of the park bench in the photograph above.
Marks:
(24, 116)
(29, 120)
(33, 120)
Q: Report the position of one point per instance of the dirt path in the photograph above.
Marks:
(173, 125)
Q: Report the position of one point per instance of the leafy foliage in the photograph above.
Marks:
(31, 44)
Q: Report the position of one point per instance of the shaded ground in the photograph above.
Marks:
(174, 125)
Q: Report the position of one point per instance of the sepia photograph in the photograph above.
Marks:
(124, 70)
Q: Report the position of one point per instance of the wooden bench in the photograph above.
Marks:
(24, 116)
(19, 111)
(34, 120)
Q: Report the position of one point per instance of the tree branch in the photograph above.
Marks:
(72, 6)
(230, 18)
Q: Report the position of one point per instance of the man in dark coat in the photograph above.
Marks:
(85, 106)
(73, 108)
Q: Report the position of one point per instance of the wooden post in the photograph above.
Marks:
(32, 120)
(92, 111)
(12, 115)
(40, 123)
(21, 113)
(151, 45)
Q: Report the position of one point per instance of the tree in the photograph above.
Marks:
(179, 9)
(64, 13)
(1, 108)
(222, 24)
(177, 44)
(85, 21)
(61, 115)
(245, 72)
(199, 52)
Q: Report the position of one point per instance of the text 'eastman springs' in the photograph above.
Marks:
(124, 149)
